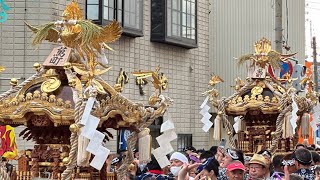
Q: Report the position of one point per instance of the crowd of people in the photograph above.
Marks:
(219, 163)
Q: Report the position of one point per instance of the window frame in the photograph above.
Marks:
(172, 40)
(127, 31)
(185, 137)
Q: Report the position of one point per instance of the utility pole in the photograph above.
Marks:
(278, 25)
(315, 63)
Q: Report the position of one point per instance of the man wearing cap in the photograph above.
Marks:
(235, 171)
(177, 160)
(303, 160)
(257, 167)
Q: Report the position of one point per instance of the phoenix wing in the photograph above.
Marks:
(44, 32)
(110, 33)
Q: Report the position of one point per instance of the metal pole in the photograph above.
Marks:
(315, 63)
(278, 25)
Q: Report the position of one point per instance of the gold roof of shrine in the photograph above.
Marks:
(57, 106)
(256, 95)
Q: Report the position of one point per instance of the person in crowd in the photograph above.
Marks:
(295, 177)
(299, 146)
(183, 173)
(289, 163)
(310, 148)
(278, 172)
(257, 167)
(113, 162)
(246, 163)
(303, 160)
(267, 155)
(218, 153)
(154, 171)
(214, 149)
(177, 160)
(200, 151)
(193, 156)
(140, 167)
(205, 155)
(315, 158)
(136, 154)
(235, 171)
(210, 169)
(189, 149)
(230, 155)
(132, 170)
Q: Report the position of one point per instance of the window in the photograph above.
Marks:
(184, 140)
(128, 12)
(174, 22)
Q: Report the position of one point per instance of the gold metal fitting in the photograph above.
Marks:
(229, 133)
(74, 128)
(67, 65)
(72, 83)
(65, 160)
(37, 66)
(147, 129)
(13, 82)
(118, 88)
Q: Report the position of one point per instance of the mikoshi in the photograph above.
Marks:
(266, 111)
(67, 107)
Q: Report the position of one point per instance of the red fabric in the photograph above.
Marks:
(156, 172)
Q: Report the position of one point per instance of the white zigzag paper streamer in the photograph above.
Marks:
(96, 137)
(315, 117)
(164, 140)
(293, 120)
(236, 125)
(206, 115)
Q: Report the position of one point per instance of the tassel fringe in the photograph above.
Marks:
(83, 155)
(144, 146)
(217, 128)
(305, 125)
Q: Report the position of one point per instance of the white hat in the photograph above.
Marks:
(180, 157)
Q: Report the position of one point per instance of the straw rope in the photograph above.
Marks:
(149, 115)
(221, 108)
(20, 86)
(284, 101)
(66, 175)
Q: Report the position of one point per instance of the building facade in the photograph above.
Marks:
(173, 35)
(236, 25)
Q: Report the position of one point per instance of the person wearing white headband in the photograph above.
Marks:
(177, 160)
